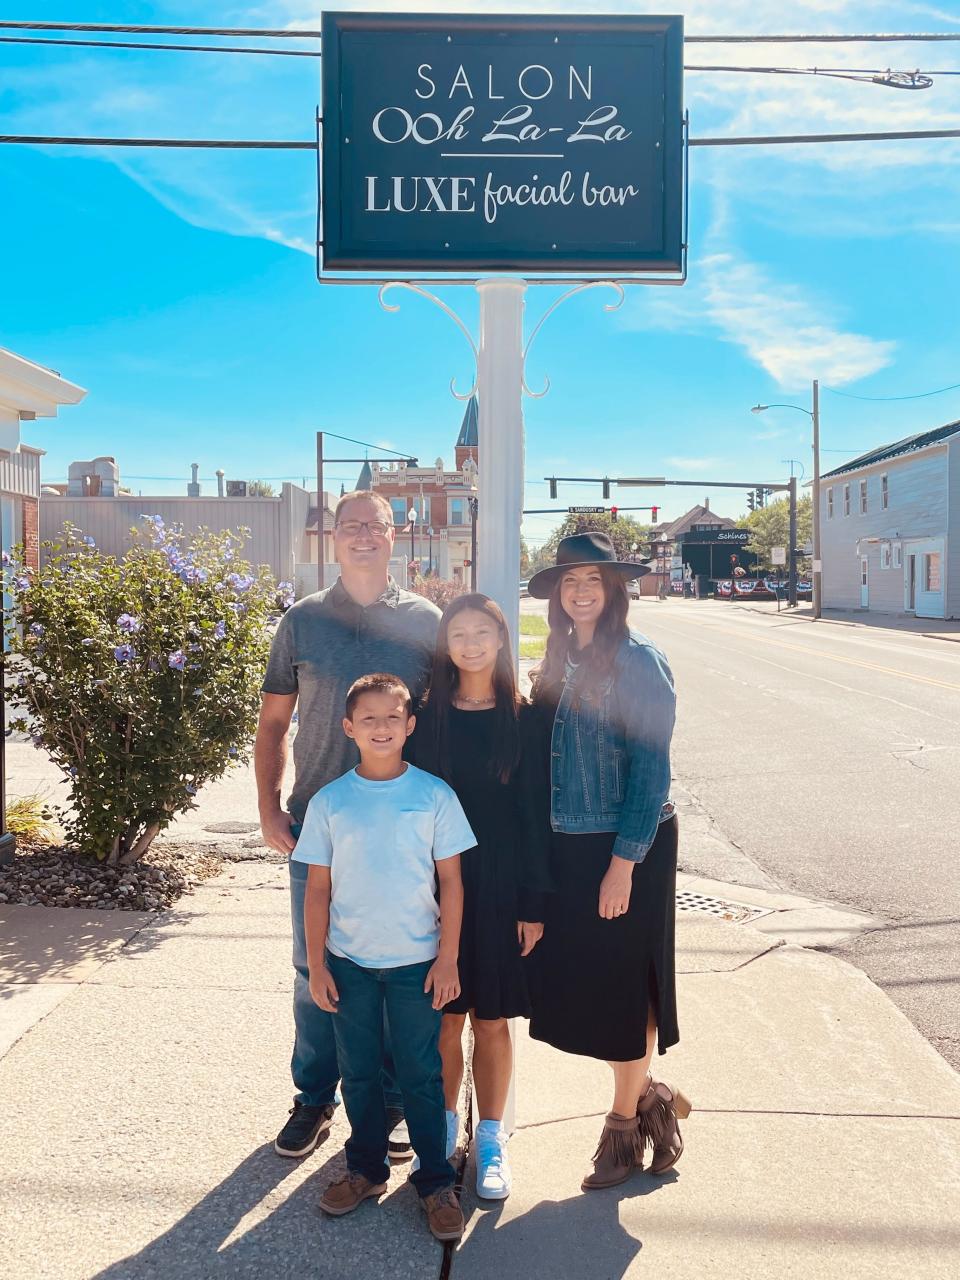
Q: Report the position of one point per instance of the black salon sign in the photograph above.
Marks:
(504, 143)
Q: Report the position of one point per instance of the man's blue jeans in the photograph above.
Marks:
(358, 1026)
(314, 1062)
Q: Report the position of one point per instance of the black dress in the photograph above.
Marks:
(506, 878)
(593, 981)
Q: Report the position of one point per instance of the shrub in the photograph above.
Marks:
(438, 590)
(29, 819)
(139, 677)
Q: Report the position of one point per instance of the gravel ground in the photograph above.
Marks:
(54, 876)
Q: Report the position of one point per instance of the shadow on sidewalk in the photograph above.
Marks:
(279, 1241)
(580, 1236)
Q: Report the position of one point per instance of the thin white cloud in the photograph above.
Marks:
(776, 324)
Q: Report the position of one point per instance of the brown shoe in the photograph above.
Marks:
(657, 1114)
(343, 1196)
(617, 1155)
(444, 1215)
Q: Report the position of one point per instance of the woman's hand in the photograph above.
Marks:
(615, 889)
(528, 935)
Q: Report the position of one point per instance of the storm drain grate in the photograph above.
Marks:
(738, 912)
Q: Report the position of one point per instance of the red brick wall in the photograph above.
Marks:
(31, 531)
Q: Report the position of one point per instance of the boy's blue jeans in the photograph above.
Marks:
(358, 1026)
(314, 1062)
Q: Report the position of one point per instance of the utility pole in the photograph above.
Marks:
(817, 562)
(792, 580)
(321, 532)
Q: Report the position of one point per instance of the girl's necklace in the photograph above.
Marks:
(476, 702)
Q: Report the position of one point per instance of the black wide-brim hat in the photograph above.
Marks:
(579, 549)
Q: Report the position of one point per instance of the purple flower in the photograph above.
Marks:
(22, 583)
(88, 640)
(190, 789)
(285, 587)
(177, 660)
(235, 606)
(36, 740)
(157, 521)
(37, 628)
(124, 652)
(240, 581)
(232, 751)
(4, 557)
(220, 631)
(89, 542)
(198, 693)
(127, 622)
(153, 665)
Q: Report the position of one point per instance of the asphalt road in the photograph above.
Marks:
(829, 756)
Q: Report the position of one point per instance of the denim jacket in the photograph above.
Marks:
(610, 753)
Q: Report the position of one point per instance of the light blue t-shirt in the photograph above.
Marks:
(380, 841)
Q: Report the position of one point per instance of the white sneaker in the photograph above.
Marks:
(453, 1133)
(493, 1164)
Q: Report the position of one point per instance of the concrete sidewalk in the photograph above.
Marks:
(145, 1079)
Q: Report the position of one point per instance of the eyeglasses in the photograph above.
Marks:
(351, 528)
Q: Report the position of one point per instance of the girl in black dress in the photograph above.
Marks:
(477, 733)
(604, 981)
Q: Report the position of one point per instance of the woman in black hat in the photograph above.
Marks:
(603, 975)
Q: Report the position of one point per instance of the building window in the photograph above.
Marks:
(846, 499)
(458, 511)
(830, 504)
(884, 493)
(885, 561)
(863, 497)
(897, 555)
(931, 572)
(399, 508)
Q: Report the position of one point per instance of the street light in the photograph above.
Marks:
(813, 414)
(430, 536)
(412, 517)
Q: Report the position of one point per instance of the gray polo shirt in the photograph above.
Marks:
(324, 643)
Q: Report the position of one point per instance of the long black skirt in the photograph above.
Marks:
(592, 981)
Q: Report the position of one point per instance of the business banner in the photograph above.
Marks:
(502, 142)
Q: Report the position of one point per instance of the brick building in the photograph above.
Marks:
(441, 499)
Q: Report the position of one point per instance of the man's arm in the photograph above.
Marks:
(316, 919)
(270, 761)
(443, 978)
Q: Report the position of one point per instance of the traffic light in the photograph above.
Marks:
(761, 497)
(654, 512)
(553, 488)
(752, 499)
(606, 488)
(613, 513)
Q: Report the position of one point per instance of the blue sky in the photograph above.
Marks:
(179, 287)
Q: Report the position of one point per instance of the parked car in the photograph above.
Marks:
(633, 590)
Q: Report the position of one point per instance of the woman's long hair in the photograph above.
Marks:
(599, 657)
(445, 679)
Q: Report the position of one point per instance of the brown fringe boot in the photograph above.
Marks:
(618, 1153)
(657, 1114)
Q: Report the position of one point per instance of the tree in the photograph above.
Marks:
(623, 532)
(140, 677)
(770, 527)
(260, 489)
(525, 558)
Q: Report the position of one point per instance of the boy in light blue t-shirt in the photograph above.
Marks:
(378, 840)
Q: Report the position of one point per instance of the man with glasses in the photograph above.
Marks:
(326, 641)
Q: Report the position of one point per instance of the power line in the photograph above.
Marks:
(922, 395)
(140, 44)
(873, 75)
(286, 33)
(249, 144)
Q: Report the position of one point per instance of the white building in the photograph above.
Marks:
(27, 391)
(890, 528)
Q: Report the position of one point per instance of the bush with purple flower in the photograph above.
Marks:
(151, 678)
